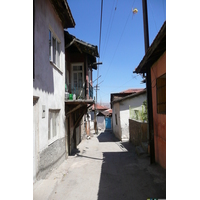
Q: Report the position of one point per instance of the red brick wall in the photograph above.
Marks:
(158, 69)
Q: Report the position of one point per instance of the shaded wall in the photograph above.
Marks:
(101, 122)
(137, 132)
(48, 87)
(158, 69)
(116, 126)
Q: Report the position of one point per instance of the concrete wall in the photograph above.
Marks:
(138, 132)
(49, 83)
(53, 155)
(116, 127)
(101, 122)
(122, 110)
(158, 69)
(35, 138)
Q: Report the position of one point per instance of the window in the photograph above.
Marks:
(161, 94)
(116, 119)
(77, 76)
(53, 128)
(54, 49)
(50, 45)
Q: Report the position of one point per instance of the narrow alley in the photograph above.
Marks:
(105, 168)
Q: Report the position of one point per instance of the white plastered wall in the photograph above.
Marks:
(49, 83)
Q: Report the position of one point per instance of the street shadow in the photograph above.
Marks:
(107, 136)
(124, 175)
(74, 152)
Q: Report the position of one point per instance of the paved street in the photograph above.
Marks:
(104, 168)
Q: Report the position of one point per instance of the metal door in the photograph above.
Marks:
(108, 122)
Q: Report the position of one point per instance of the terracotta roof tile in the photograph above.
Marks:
(99, 107)
(132, 90)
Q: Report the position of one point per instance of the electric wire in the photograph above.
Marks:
(119, 41)
(109, 29)
(117, 46)
(151, 9)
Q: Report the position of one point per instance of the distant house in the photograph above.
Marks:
(121, 104)
(155, 58)
(80, 60)
(100, 121)
(104, 119)
(99, 108)
(49, 20)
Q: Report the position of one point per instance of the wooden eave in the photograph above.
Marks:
(157, 48)
(64, 13)
(83, 47)
(87, 48)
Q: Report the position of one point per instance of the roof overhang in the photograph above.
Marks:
(64, 13)
(129, 96)
(82, 47)
(157, 48)
(87, 48)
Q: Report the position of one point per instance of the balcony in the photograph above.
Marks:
(80, 93)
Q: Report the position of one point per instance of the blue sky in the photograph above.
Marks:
(122, 38)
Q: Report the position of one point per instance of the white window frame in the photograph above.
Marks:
(55, 59)
(73, 72)
(53, 119)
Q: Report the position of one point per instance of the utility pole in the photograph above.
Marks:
(95, 111)
(148, 84)
(95, 100)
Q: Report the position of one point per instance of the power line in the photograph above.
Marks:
(118, 44)
(109, 28)
(100, 26)
(119, 41)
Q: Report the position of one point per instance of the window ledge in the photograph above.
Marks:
(52, 140)
(56, 67)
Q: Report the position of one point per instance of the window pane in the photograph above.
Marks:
(79, 68)
(58, 54)
(54, 50)
(49, 45)
(75, 80)
(54, 124)
(80, 80)
(50, 125)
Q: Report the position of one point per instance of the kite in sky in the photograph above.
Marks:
(134, 10)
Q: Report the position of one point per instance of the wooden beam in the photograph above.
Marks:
(76, 124)
(77, 107)
(80, 116)
(78, 47)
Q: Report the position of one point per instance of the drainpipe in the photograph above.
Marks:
(148, 85)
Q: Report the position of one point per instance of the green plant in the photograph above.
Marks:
(144, 111)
